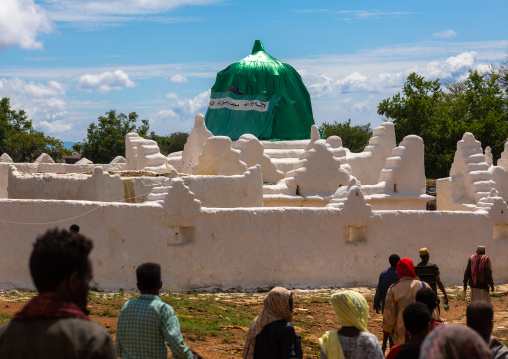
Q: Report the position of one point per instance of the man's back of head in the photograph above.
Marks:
(55, 256)
(417, 318)
(148, 276)
(480, 317)
(394, 259)
(428, 297)
(54, 323)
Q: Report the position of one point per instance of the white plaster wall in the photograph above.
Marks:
(228, 191)
(367, 165)
(50, 168)
(99, 187)
(248, 248)
(219, 158)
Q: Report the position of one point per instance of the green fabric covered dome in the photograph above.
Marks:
(262, 96)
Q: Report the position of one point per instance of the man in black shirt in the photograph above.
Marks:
(429, 273)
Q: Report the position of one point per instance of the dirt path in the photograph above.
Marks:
(313, 315)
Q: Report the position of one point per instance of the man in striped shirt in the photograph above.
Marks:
(146, 324)
(429, 273)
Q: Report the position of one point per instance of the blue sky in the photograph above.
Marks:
(66, 62)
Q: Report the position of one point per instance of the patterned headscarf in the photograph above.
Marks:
(452, 341)
(352, 310)
(406, 268)
(275, 307)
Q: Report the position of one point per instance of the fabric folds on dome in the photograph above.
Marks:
(262, 96)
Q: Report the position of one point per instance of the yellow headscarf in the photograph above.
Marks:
(352, 310)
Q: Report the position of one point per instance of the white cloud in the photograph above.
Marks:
(324, 85)
(359, 14)
(178, 78)
(446, 34)
(188, 108)
(172, 95)
(44, 103)
(20, 23)
(164, 114)
(57, 126)
(362, 107)
(105, 82)
(110, 12)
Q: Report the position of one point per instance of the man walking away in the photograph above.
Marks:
(428, 297)
(54, 324)
(399, 295)
(429, 273)
(479, 275)
(146, 324)
(386, 279)
(480, 317)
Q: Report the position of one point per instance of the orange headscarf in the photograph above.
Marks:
(275, 307)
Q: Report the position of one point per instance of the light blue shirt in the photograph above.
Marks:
(145, 326)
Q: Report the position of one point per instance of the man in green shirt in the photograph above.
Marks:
(147, 325)
(429, 273)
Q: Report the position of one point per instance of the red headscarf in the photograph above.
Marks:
(406, 268)
(50, 305)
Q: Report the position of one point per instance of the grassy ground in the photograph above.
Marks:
(215, 324)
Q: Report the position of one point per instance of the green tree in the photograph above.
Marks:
(477, 105)
(21, 141)
(171, 143)
(353, 137)
(106, 139)
(420, 110)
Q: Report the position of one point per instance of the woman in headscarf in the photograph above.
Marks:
(271, 334)
(352, 340)
(454, 341)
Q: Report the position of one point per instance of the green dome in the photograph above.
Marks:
(287, 114)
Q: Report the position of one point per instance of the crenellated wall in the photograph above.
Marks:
(347, 244)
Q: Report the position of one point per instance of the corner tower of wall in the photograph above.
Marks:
(367, 165)
(194, 145)
(470, 169)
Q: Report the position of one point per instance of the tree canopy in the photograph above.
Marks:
(106, 139)
(21, 141)
(170, 143)
(353, 137)
(442, 115)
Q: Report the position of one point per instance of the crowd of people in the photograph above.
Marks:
(55, 324)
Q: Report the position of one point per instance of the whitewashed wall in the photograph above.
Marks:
(50, 168)
(249, 248)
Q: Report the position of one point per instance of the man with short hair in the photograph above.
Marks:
(479, 275)
(428, 297)
(429, 272)
(480, 317)
(386, 279)
(146, 324)
(417, 317)
(54, 324)
(74, 228)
